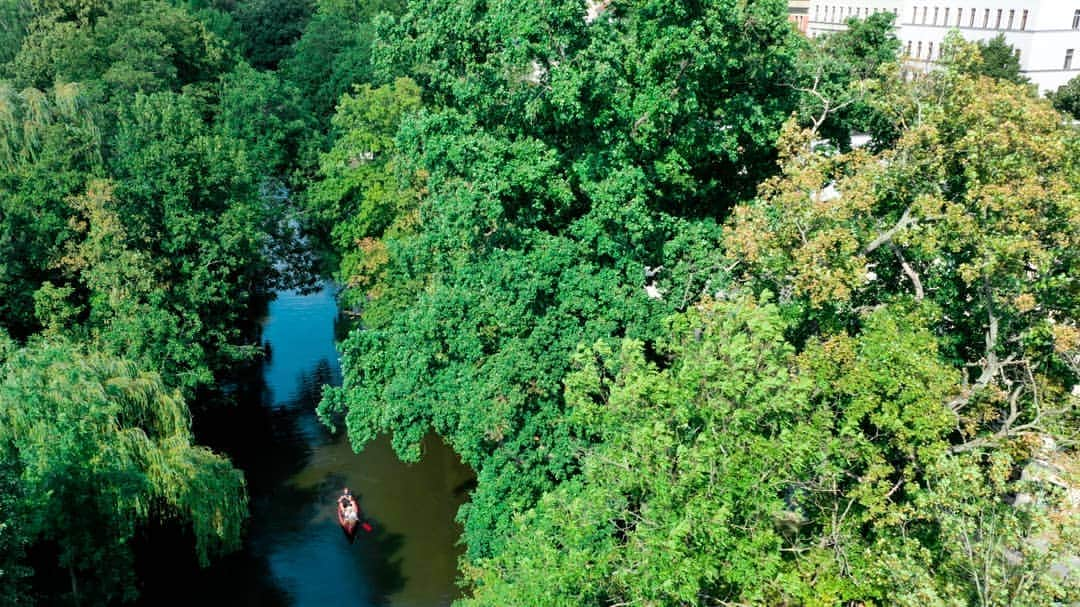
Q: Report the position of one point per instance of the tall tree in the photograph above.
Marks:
(838, 72)
(1067, 98)
(565, 155)
(1000, 60)
(731, 471)
(101, 447)
(271, 27)
(334, 51)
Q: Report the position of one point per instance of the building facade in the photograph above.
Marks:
(1045, 32)
(799, 14)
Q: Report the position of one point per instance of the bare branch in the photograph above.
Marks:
(905, 220)
(911, 274)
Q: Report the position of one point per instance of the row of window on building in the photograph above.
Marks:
(846, 12)
(972, 19)
(921, 15)
(941, 51)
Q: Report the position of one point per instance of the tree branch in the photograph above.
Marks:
(905, 220)
(911, 274)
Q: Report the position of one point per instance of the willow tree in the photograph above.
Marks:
(101, 448)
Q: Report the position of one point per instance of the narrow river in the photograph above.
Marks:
(295, 554)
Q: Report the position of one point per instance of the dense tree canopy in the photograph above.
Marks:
(617, 253)
(839, 70)
(564, 185)
(556, 168)
(139, 166)
(1000, 60)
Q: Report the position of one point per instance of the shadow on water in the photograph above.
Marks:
(294, 552)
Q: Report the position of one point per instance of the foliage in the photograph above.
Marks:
(266, 114)
(12, 537)
(736, 473)
(559, 156)
(141, 171)
(839, 71)
(971, 212)
(1000, 60)
(101, 446)
(14, 17)
(359, 195)
(270, 27)
(1067, 98)
(334, 52)
(676, 503)
(116, 48)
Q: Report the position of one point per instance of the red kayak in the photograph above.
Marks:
(348, 516)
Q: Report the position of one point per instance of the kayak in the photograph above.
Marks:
(349, 526)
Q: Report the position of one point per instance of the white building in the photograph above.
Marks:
(1046, 32)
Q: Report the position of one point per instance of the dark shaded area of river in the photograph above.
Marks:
(294, 553)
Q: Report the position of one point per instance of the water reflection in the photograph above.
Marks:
(294, 553)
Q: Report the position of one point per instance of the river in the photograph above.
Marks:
(294, 553)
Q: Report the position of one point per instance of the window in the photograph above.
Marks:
(914, 13)
(997, 24)
(833, 19)
(1068, 59)
(930, 51)
(972, 24)
(935, 15)
(907, 53)
(1011, 15)
(918, 53)
(945, 21)
(1023, 20)
(1076, 20)
(986, 19)
(924, 15)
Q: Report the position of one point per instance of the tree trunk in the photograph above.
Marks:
(74, 586)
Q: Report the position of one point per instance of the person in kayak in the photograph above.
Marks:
(350, 511)
(348, 515)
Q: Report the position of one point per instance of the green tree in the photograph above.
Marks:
(266, 114)
(360, 194)
(1067, 98)
(564, 155)
(678, 502)
(49, 141)
(1000, 60)
(12, 538)
(974, 211)
(838, 73)
(733, 471)
(334, 52)
(14, 17)
(116, 48)
(271, 27)
(101, 447)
